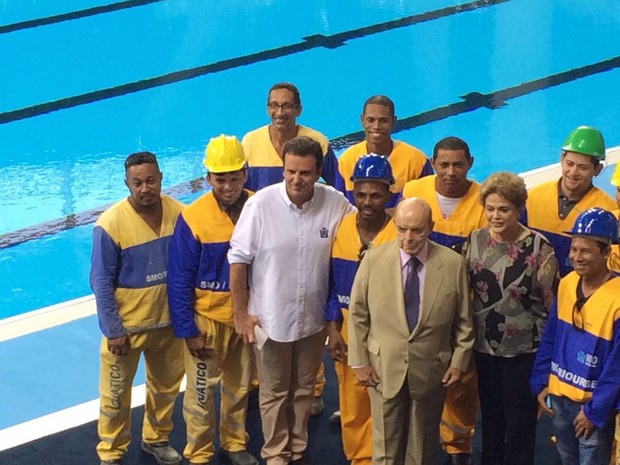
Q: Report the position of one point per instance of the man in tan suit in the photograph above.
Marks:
(410, 335)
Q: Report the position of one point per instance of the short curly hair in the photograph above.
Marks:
(507, 185)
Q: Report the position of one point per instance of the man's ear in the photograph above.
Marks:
(598, 169)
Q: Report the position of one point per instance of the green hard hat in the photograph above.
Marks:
(587, 141)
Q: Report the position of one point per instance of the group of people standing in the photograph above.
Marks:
(436, 296)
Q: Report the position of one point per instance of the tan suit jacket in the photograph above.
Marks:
(378, 331)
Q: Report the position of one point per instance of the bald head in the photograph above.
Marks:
(414, 223)
(414, 206)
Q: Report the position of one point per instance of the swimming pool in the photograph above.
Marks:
(82, 90)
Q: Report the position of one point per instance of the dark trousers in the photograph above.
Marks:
(508, 409)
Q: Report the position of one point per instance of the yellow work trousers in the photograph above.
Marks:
(163, 357)
(458, 418)
(354, 405)
(230, 367)
(354, 416)
(320, 382)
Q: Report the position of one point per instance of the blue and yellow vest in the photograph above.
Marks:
(582, 364)
(265, 165)
(130, 262)
(407, 163)
(198, 279)
(343, 266)
(541, 214)
(466, 217)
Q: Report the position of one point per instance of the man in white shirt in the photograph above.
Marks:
(279, 278)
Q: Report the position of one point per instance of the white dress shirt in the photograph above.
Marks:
(288, 250)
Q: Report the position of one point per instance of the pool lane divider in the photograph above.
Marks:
(467, 103)
(493, 100)
(78, 14)
(85, 217)
(71, 310)
(308, 43)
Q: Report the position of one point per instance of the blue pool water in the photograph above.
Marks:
(78, 95)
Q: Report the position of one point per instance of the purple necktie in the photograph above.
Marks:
(412, 293)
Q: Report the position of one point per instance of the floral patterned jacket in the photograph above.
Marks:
(513, 285)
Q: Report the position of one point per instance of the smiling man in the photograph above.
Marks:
(378, 120)
(357, 233)
(552, 207)
(264, 150)
(201, 309)
(128, 277)
(279, 278)
(264, 146)
(576, 366)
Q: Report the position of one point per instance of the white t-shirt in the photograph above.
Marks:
(447, 204)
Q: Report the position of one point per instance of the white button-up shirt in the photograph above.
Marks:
(288, 250)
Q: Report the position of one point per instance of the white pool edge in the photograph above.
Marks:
(550, 172)
(63, 420)
(65, 312)
(47, 317)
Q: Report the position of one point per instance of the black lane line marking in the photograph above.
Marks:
(309, 42)
(469, 102)
(97, 10)
(492, 101)
(86, 217)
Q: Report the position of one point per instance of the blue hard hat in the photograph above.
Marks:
(373, 167)
(598, 223)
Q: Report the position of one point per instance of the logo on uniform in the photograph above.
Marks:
(588, 360)
(324, 232)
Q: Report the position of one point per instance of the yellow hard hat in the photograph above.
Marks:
(615, 177)
(224, 154)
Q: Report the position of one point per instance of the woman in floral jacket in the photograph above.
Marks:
(513, 276)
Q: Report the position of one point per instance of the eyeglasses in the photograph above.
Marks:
(577, 315)
(286, 106)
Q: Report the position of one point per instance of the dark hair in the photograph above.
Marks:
(595, 161)
(451, 143)
(379, 100)
(140, 158)
(603, 246)
(288, 86)
(304, 146)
